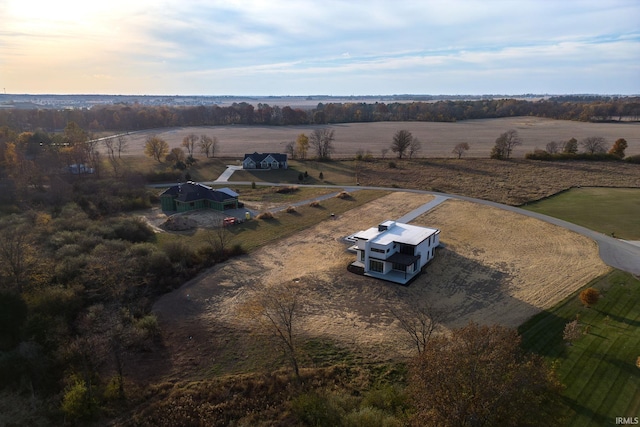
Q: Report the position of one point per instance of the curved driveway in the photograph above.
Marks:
(613, 252)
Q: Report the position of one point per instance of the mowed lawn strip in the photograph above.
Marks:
(599, 370)
(607, 210)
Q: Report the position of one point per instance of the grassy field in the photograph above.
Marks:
(333, 173)
(607, 210)
(258, 232)
(599, 369)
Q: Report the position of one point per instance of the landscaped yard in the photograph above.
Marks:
(599, 369)
(607, 210)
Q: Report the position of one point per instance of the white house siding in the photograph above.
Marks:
(368, 243)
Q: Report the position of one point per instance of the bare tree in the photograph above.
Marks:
(401, 142)
(460, 149)
(276, 309)
(418, 319)
(505, 144)
(593, 145)
(384, 152)
(414, 147)
(571, 332)
(553, 147)
(290, 149)
(208, 145)
(322, 142)
(17, 255)
(111, 144)
(479, 376)
(121, 145)
(189, 142)
(218, 239)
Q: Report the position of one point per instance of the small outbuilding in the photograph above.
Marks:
(191, 195)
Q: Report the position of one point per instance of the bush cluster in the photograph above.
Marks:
(596, 157)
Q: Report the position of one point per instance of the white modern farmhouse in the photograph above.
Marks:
(394, 251)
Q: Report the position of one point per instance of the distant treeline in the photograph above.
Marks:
(126, 117)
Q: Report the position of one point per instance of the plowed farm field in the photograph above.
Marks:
(438, 139)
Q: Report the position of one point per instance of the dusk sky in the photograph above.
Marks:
(251, 47)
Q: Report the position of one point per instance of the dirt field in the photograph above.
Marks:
(497, 267)
(438, 139)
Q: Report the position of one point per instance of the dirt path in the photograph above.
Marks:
(497, 267)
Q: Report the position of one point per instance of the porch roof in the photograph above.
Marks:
(403, 259)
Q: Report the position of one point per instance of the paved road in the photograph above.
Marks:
(614, 252)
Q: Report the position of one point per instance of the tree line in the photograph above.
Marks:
(128, 117)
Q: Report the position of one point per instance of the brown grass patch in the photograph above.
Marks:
(285, 190)
(498, 267)
(513, 182)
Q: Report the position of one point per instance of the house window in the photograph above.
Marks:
(400, 267)
(407, 249)
(361, 255)
(380, 251)
(376, 266)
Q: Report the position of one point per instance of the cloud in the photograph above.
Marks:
(213, 45)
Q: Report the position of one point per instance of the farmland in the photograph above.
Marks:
(438, 139)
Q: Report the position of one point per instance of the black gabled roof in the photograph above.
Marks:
(191, 191)
(258, 157)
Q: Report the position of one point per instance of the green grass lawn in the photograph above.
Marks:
(607, 210)
(599, 370)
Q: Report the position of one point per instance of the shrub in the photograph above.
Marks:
(392, 165)
(134, 230)
(321, 176)
(589, 296)
(178, 252)
(253, 185)
(287, 189)
(389, 398)
(316, 410)
(265, 215)
(78, 403)
(315, 204)
(343, 195)
(149, 324)
(596, 157)
(633, 159)
(291, 209)
(370, 417)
